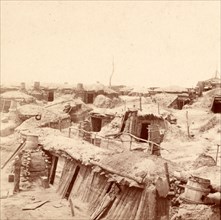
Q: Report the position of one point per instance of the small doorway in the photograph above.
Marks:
(67, 194)
(96, 124)
(216, 106)
(51, 96)
(90, 98)
(53, 169)
(144, 134)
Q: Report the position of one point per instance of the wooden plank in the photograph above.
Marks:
(13, 155)
(35, 205)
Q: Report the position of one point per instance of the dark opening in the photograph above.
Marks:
(51, 96)
(144, 131)
(216, 108)
(109, 187)
(181, 103)
(67, 194)
(90, 98)
(124, 121)
(53, 169)
(96, 124)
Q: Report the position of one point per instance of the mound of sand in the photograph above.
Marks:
(206, 100)
(102, 101)
(211, 123)
(173, 132)
(164, 99)
(204, 160)
(28, 111)
(18, 96)
(112, 128)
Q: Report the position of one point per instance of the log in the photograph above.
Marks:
(141, 206)
(88, 187)
(136, 204)
(130, 203)
(100, 197)
(121, 204)
(115, 204)
(79, 180)
(152, 203)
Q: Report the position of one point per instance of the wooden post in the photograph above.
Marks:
(111, 73)
(130, 142)
(167, 173)
(158, 107)
(151, 148)
(217, 152)
(72, 207)
(187, 124)
(148, 139)
(59, 124)
(69, 132)
(108, 142)
(140, 103)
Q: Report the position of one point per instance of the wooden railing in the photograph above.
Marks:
(112, 137)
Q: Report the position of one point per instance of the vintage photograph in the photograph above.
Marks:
(110, 110)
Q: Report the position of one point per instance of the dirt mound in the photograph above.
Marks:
(174, 132)
(28, 111)
(211, 123)
(18, 96)
(112, 128)
(102, 101)
(204, 160)
(206, 100)
(200, 212)
(164, 99)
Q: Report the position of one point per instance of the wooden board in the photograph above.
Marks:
(35, 205)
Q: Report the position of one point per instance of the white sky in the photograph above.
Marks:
(153, 43)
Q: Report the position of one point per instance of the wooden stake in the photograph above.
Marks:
(140, 103)
(167, 173)
(187, 123)
(59, 124)
(158, 107)
(130, 142)
(69, 132)
(72, 207)
(217, 152)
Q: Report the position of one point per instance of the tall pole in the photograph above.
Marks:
(140, 103)
(111, 73)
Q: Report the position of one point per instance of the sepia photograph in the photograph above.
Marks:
(110, 110)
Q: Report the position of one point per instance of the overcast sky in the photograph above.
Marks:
(153, 43)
